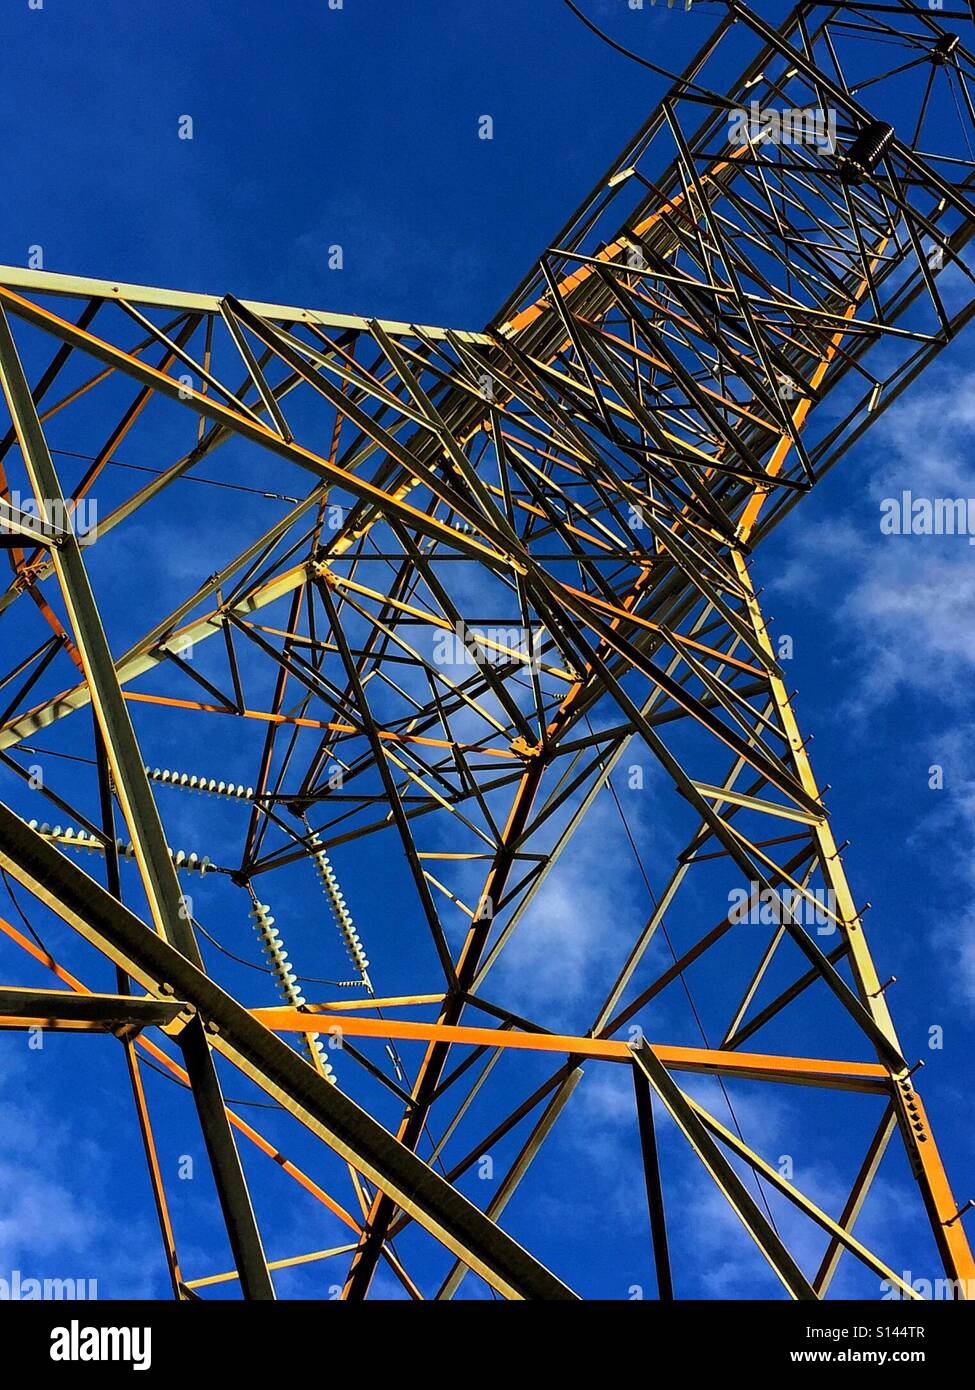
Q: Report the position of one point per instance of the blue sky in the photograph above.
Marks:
(311, 126)
(357, 127)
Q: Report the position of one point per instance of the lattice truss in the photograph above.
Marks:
(507, 566)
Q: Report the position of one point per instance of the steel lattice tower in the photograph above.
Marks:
(570, 502)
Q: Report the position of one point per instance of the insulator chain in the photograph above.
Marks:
(340, 910)
(209, 786)
(80, 839)
(288, 981)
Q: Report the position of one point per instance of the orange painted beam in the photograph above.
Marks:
(867, 1075)
(777, 461)
(165, 1061)
(943, 1211)
(609, 253)
(385, 735)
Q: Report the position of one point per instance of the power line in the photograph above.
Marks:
(183, 477)
(686, 987)
(672, 77)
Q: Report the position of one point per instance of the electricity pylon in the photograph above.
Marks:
(525, 554)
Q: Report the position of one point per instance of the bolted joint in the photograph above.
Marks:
(524, 749)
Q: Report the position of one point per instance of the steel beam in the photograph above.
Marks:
(273, 1066)
(98, 1013)
(738, 1197)
(163, 893)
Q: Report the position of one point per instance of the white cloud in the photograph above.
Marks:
(900, 605)
(909, 614)
(51, 1228)
(898, 610)
(577, 929)
(952, 822)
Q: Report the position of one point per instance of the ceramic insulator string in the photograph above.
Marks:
(191, 863)
(340, 910)
(209, 786)
(287, 980)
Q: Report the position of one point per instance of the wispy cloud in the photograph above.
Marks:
(52, 1229)
(952, 822)
(582, 920)
(904, 614)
